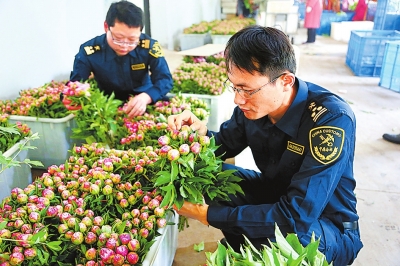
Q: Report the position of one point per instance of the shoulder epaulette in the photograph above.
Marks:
(316, 110)
(91, 49)
(145, 43)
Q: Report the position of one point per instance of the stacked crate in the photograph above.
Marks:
(366, 51)
(390, 74)
(387, 15)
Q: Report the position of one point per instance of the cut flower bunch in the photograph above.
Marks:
(199, 78)
(101, 119)
(284, 251)
(83, 212)
(220, 27)
(42, 102)
(216, 58)
(105, 205)
(10, 135)
(200, 28)
(231, 26)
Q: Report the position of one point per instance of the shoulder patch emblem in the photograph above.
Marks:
(156, 50)
(91, 49)
(326, 143)
(316, 111)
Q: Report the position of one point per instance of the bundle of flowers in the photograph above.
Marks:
(83, 212)
(284, 251)
(101, 119)
(105, 206)
(216, 58)
(10, 135)
(199, 78)
(200, 28)
(178, 103)
(42, 102)
(231, 26)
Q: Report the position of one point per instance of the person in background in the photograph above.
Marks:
(360, 12)
(302, 138)
(312, 19)
(247, 8)
(125, 61)
(394, 138)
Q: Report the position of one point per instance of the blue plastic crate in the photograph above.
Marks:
(390, 74)
(387, 15)
(366, 51)
(328, 17)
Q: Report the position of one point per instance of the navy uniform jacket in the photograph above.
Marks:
(126, 75)
(308, 154)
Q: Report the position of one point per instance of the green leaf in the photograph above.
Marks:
(164, 178)
(199, 247)
(55, 245)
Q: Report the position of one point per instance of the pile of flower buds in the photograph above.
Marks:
(86, 211)
(11, 133)
(46, 98)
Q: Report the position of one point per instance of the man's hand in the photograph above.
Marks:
(187, 118)
(137, 105)
(194, 211)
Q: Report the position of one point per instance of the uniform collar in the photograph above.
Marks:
(109, 53)
(290, 121)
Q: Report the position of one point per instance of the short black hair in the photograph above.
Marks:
(265, 50)
(125, 12)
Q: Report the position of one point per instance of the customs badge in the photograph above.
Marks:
(326, 143)
(156, 50)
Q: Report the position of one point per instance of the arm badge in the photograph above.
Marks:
(326, 143)
(156, 50)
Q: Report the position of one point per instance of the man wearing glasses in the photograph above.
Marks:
(121, 60)
(302, 138)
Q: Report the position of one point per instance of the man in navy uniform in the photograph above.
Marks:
(125, 61)
(302, 138)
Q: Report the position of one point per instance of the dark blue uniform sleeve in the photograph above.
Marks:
(314, 189)
(160, 74)
(82, 68)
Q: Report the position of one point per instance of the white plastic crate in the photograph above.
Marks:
(15, 176)
(341, 31)
(55, 138)
(220, 39)
(189, 41)
(162, 252)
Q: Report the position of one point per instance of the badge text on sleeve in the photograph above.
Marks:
(326, 143)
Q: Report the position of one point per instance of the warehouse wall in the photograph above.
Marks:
(40, 38)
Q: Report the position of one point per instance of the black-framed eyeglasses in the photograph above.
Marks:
(121, 43)
(246, 94)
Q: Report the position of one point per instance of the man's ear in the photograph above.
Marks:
(105, 26)
(288, 80)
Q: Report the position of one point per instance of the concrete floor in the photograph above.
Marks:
(377, 162)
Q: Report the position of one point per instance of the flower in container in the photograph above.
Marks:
(14, 162)
(14, 137)
(42, 102)
(199, 78)
(200, 28)
(84, 212)
(216, 58)
(231, 26)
